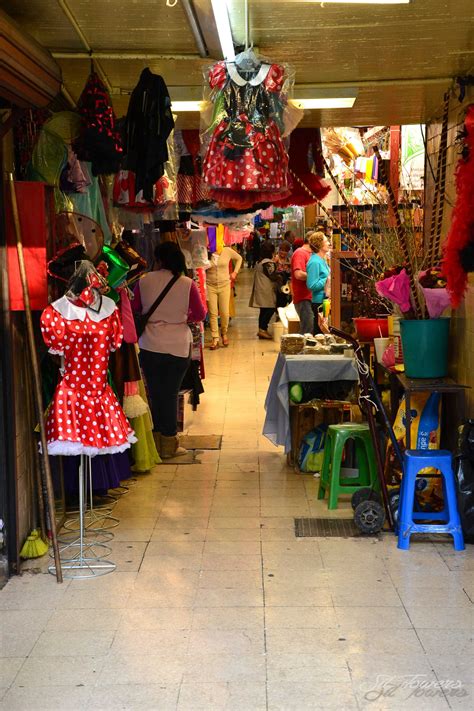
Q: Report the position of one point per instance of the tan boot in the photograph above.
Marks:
(170, 447)
(157, 438)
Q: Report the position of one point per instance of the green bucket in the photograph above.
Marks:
(425, 347)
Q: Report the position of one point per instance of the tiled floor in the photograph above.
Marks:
(215, 605)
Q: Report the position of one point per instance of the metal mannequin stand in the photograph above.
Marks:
(85, 557)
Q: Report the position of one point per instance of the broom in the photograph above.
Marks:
(36, 544)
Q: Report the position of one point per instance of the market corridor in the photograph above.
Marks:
(216, 605)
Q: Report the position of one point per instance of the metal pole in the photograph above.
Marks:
(246, 14)
(77, 29)
(195, 27)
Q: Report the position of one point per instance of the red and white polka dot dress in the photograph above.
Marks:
(85, 417)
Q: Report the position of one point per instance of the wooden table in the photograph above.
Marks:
(400, 382)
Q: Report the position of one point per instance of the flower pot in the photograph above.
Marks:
(425, 347)
(370, 328)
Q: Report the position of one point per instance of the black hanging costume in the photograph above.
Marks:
(148, 124)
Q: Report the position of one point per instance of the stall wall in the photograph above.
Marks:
(462, 325)
(21, 412)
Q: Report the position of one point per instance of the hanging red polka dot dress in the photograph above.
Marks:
(246, 161)
(85, 417)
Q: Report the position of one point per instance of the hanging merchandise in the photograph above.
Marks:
(117, 268)
(148, 124)
(306, 169)
(72, 228)
(245, 157)
(91, 203)
(144, 452)
(459, 247)
(191, 188)
(215, 215)
(26, 129)
(83, 327)
(99, 141)
(193, 244)
(35, 210)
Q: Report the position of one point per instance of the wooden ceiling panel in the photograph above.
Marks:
(356, 44)
(127, 25)
(343, 42)
(44, 21)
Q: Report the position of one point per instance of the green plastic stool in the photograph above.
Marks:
(336, 438)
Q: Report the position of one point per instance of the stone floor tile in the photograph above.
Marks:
(49, 698)
(128, 669)
(39, 672)
(228, 618)
(134, 697)
(224, 668)
(310, 696)
(230, 696)
(9, 668)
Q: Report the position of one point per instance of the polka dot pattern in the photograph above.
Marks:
(84, 411)
(261, 168)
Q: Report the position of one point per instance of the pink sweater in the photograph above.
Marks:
(167, 330)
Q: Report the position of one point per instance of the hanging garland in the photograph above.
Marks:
(459, 248)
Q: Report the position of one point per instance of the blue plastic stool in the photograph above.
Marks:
(414, 461)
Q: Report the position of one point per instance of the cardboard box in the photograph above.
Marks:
(293, 325)
(185, 411)
(307, 416)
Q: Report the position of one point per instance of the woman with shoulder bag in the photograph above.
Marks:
(166, 300)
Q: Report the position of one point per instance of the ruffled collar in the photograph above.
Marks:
(78, 313)
(260, 76)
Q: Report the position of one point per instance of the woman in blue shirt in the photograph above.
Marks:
(317, 271)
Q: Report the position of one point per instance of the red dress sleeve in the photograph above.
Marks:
(116, 331)
(217, 75)
(275, 78)
(53, 330)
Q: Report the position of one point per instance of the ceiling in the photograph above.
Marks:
(401, 57)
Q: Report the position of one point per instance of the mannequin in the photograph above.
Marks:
(83, 327)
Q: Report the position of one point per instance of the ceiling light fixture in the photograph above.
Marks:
(181, 106)
(308, 96)
(305, 96)
(221, 17)
(340, 103)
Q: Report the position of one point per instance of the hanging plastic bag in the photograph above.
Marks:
(464, 473)
(242, 129)
(312, 450)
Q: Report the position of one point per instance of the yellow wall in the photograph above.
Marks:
(462, 324)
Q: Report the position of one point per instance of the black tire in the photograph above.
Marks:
(393, 502)
(365, 494)
(369, 517)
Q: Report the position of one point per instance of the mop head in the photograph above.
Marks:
(34, 546)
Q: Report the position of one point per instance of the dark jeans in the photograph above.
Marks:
(306, 316)
(315, 308)
(264, 318)
(164, 374)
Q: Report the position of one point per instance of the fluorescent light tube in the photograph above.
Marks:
(181, 106)
(333, 103)
(221, 16)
